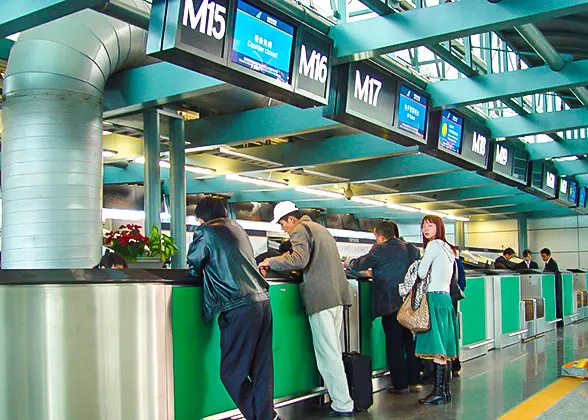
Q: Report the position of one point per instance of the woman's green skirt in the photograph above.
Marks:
(442, 340)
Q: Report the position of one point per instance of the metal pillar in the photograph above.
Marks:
(460, 234)
(177, 189)
(522, 235)
(152, 172)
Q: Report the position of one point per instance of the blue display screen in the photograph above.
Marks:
(582, 197)
(262, 42)
(573, 193)
(412, 112)
(450, 131)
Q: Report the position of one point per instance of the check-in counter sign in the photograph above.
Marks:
(367, 88)
(210, 18)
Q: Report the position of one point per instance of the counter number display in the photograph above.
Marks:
(582, 197)
(573, 192)
(262, 42)
(450, 131)
(412, 112)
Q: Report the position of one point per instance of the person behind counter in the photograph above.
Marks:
(503, 262)
(113, 260)
(324, 292)
(222, 255)
(550, 264)
(527, 263)
(441, 342)
(389, 260)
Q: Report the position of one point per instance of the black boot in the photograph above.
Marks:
(446, 380)
(437, 396)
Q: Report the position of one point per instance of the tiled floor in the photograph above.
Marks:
(492, 385)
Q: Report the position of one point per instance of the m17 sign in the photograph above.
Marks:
(246, 43)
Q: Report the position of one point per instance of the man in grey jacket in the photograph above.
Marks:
(324, 292)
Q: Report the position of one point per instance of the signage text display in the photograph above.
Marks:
(412, 112)
(450, 131)
(582, 198)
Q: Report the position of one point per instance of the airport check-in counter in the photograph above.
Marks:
(476, 315)
(581, 292)
(538, 294)
(509, 309)
(569, 301)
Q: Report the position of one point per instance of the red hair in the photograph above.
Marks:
(437, 221)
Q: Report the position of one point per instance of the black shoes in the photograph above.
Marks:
(334, 413)
(440, 386)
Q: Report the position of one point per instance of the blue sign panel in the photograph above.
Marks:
(262, 42)
(573, 193)
(412, 112)
(450, 131)
(582, 201)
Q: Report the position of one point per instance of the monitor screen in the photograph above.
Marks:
(573, 193)
(262, 42)
(582, 201)
(412, 112)
(450, 131)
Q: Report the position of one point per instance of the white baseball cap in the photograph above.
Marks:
(283, 208)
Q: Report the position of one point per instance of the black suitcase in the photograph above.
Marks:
(358, 369)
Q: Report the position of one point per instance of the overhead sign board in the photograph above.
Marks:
(582, 197)
(543, 180)
(563, 189)
(459, 140)
(245, 43)
(573, 192)
(509, 163)
(370, 98)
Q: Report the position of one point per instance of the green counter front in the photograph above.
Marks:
(473, 312)
(548, 293)
(196, 352)
(568, 296)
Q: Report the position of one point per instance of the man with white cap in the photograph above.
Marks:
(324, 291)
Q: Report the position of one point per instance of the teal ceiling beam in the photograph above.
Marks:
(572, 167)
(521, 198)
(155, 85)
(545, 122)
(331, 150)
(491, 191)
(381, 7)
(557, 149)
(5, 47)
(133, 173)
(20, 15)
(486, 88)
(582, 179)
(374, 170)
(256, 125)
(438, 182)
(413, 28)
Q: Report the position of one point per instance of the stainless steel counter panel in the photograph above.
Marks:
(85, 352)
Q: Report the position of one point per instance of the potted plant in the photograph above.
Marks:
(141, 251)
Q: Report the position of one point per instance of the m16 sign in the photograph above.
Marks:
(246, 43)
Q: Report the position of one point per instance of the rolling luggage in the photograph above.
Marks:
(358, 369)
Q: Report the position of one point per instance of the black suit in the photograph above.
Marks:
(504, 264)
(523, 266)
(552, 267)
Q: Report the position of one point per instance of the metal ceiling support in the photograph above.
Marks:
(557, 149)
(303, 14)
(439, 182)
(396, 31)
(177, 189)
(126, 93)
(485, 88)
(522, 233)
(546, 122)
(382, 7)
(572, 167)
(152, 177)
(52, 142)
(533, 36)
(132, 15)
(256, 125)
(20, 15)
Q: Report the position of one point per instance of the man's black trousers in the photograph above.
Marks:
(403, 364)
(247, 367)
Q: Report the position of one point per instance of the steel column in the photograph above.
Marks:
(460, 234)
(522, 233)
(177, 189)
(152, 172)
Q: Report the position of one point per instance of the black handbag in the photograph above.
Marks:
(454, 290)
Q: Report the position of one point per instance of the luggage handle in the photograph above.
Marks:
(346, 338)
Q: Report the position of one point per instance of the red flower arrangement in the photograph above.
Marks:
(128, 241)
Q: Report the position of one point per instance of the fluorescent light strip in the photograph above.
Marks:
(109, 153)
(256, 181)
(232, 152)
(321, 193)
(446, 215)
(403, 208)
(460, 218)
(369, 201)
(189, 168)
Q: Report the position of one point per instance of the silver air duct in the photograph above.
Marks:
(52, 140)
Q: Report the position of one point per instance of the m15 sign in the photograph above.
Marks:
(246, 43)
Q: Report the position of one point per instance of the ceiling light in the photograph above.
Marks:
(321, 193)
(164, 164)
(243, 156)
(565, 159)
(368, 201)
(256, 181)
(317, 174)
(105, 133)
(402, 208)
(460, 218)
(434, 213)
(107, 153)
(199, 170)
